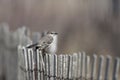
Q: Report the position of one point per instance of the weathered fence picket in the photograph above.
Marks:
(107, 68)
(87, 66)
(116, 68)
(93, 68)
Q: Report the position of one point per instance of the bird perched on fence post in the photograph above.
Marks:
(47, 44)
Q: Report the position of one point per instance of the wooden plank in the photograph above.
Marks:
(94, 67)
(116, 69)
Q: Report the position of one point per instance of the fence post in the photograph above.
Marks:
(100, 68)
(107, 68)
(116, 68)
(94, 67)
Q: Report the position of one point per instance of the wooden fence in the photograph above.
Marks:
(77, 66)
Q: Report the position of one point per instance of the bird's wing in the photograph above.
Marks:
(33, 45)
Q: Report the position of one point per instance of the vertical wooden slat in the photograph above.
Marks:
(74, 64)
(107, 68)
(93, 68)
(38, 66)
(116, 69)
(60, 65)
(30, 63)
(26, 63)
(70, 66)
(46, 67)
(45, 72)
(87, 73)
(42, 65)
(51, 66)
(79, 66)
(100, 68)
(33, 65)
(65, 66)
(55, 67)
(83, 65)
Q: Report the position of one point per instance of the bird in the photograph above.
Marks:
(47, 43)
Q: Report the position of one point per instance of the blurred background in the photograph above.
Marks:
(83, 25)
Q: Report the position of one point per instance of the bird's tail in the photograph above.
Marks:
(33, 45)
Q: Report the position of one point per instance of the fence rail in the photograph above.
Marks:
(77, 66)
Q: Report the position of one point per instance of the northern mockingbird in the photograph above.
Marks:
(47, 44)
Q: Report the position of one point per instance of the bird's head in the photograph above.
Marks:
(52, 33)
